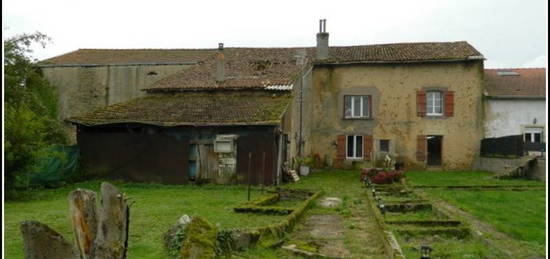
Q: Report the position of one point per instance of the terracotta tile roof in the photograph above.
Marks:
(128, 56)
(243, 70)
(395, 52)
(194, 108)
(516, 82)
(262, 67)
(405, 52)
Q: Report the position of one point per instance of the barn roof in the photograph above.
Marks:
(204, 108)
(516, 82)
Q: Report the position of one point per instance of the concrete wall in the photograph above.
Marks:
(509, 117)
(393, 89)
(85, 88)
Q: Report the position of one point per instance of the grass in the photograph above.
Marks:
(447, 247)
(156, 208)
(520, 214)
(463, 178)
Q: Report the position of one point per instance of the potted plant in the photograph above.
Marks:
(303, 164)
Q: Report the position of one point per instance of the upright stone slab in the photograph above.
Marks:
(82, 205)
(42, 242)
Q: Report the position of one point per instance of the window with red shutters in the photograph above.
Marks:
(421, 103)
(449, 103)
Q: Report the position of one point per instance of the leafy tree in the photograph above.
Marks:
(30, 110)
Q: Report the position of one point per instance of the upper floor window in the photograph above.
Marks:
(357, 106)
(434, 103)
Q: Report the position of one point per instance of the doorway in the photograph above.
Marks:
(434, 150)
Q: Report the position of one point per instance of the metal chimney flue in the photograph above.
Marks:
(220, 64)
(322, 40)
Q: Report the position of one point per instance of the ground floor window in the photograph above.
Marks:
(533, 135)
(354, 146)
(384, 145)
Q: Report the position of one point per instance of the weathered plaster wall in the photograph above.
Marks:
(85, 88)
(508, 117)
(300, 121)
(393, 89)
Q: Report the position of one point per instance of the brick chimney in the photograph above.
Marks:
(220, 64)
(322, 40)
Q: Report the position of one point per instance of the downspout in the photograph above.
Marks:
(300, 136)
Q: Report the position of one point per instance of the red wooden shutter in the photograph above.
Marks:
(421, 148)
(421, 103)
(341, 154)
(340, 151)
(368, 147)
(449, 103)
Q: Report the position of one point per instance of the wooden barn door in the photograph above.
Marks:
(259, 153)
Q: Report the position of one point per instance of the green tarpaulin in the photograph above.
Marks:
(61, 164)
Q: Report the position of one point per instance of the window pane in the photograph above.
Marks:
(356, 106)
(366, 112)
(527, 137)
(359, 146)
(350, 146)
(347, 106)
(384, 145)
(438, 109)
(434, 103)
(429, 102)
(537, 138)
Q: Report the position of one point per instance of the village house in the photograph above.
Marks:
(515, 104)
(238, 114)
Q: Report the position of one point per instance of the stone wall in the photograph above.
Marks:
(85, 88)
(393, 89)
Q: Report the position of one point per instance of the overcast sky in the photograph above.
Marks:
(508, 33)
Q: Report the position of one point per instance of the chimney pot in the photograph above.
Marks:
(322, 40)
(220, 64)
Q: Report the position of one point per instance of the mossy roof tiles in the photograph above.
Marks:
(204, 108)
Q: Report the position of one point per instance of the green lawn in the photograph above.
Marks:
(156, 208)
(520, 214)
(463, 178)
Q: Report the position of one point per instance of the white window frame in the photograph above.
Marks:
(432, 108)
(533, 130)
(355, 137)
(365, 107)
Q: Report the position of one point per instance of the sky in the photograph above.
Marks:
(508, 33)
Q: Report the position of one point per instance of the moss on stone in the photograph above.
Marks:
(200, 241)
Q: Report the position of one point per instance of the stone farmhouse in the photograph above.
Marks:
(238, 114)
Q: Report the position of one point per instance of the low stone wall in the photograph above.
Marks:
(538, 171)
(496, 164)
(535, 170)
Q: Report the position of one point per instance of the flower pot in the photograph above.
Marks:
(304, 170)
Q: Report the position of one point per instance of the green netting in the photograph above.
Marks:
(59, 165)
